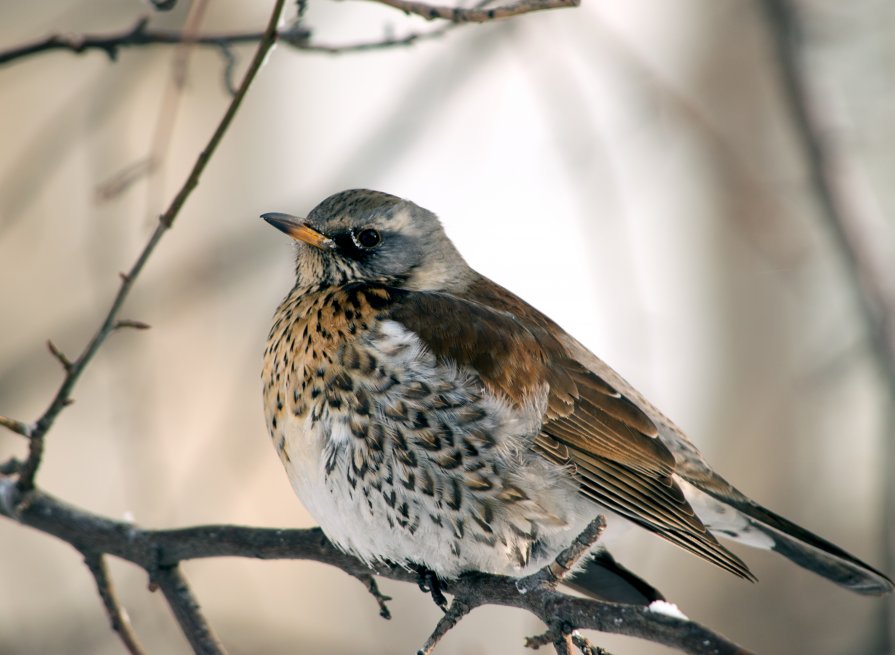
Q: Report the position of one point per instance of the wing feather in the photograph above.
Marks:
(603, 437)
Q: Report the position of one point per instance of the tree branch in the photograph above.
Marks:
(117, 616)
(16, 426)
(452, 616)
(160, 551)
(297, 37)
(476, 15)
(186, 610)
(76, 368)
(136, 36)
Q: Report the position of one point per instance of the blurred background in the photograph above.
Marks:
(633, 168)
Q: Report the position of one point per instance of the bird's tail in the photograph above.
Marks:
(817, 554)
(732, 515)
(603, 578)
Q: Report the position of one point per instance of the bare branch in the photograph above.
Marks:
(164, 5)
(561, 640)
(12, 466)
(166, 220)
(124, 178)
(139, 36)
(16, 426)
(187, 612)
(455, 612)
(158, 551)
(370, 582)
(586, 647)
(539, 640)
(59, 355)
(120, 621)
(296, 36)
(130, 323)
(474, 15)
(384, 44)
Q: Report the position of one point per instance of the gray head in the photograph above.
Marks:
(370, 236)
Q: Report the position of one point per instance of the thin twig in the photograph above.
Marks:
(166, 220)
(140, 36)
(18, 427)
(562, 642)
(117, 615)
(171, 100)
(125, 177)
(585, 647)
(12, 466)
(563, 639)
(59, 355)
(455, 612)
(473, 15)
(298, 37)
(187, 611)
(381, 599)
(130, 323)
(537, 641)
(366, 46)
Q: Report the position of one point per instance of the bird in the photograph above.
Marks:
(429, 417)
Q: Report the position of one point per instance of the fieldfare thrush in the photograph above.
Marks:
(429, 417)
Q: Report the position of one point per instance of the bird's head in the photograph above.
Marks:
(370, 236)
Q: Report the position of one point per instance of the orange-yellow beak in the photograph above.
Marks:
(299, 230)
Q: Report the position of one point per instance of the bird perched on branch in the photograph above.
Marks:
(429, 417)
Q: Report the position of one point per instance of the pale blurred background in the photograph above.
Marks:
(629, 167)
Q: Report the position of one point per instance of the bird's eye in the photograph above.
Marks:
(367, 238)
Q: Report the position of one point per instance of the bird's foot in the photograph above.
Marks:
(430, 583)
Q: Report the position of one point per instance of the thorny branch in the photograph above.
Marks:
(160, 552)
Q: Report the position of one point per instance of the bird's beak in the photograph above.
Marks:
(299, 230)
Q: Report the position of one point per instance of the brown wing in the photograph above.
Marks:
(601, 435)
